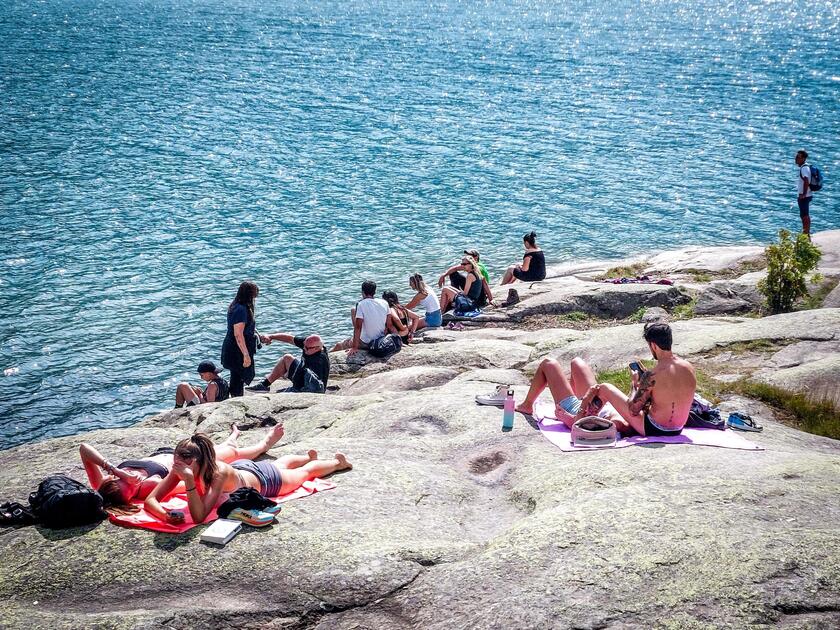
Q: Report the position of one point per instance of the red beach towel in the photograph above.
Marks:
(145, 520)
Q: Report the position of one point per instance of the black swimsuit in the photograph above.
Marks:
(152, 468)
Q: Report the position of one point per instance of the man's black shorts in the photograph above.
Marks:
(804, 206)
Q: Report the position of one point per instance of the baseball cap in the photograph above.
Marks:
(207, 366)
(472, 252)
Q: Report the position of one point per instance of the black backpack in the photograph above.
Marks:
(61, 502)
(385, 346)
(245, 498)
(704, 416)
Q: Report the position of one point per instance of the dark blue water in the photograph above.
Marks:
(154, 154)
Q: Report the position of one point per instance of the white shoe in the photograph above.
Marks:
(496, 399)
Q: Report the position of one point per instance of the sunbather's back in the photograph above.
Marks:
(672, 391)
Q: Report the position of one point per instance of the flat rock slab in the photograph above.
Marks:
(462, 353)
(725, 297)
(404, 379)
(818, 379)
(609, 348)
(704, 259)
(598, 299)
(445, 522)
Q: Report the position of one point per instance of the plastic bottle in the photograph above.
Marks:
(507, 418)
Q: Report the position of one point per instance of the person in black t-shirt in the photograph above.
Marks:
(308, 374)
(217, 388)
(532, 268)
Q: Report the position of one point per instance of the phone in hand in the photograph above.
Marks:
(635, 366)
(596, 403)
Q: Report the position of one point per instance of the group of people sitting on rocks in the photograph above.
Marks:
(372, 318)
(204, 471)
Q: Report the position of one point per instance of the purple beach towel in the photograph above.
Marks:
(558, 434)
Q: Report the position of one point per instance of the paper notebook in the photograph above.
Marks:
(221, 531)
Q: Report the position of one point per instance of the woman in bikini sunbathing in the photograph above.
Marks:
(134, 479)
(206, 479)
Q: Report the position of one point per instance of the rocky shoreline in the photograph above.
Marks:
(446, 522)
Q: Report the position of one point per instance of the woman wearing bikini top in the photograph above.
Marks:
(134, 479)
(206, 479)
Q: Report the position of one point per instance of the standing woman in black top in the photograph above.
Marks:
(240, 343)
(532, 268)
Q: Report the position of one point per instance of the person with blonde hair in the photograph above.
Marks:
(426, 298)
(206, 479)
(468, 298)
(134, 479)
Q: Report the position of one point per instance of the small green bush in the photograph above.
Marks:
(788, 263)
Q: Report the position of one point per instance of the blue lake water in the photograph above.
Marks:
(155, 154)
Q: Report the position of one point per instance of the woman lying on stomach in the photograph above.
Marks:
(206, 479)
(134, 479)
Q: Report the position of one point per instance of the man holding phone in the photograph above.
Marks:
(661, 397)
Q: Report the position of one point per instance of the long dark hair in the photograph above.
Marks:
(113, 499)
(531, 238)
(394, 302)
(200, 449)
(247, 293)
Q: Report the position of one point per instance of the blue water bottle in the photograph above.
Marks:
(507, 418)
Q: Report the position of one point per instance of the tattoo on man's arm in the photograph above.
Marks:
(646, 383)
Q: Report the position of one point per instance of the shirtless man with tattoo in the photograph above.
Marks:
(661, 397)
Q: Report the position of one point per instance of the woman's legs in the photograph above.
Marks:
(229, 452)
(549, 374)
(293, 479)
(290, 462)
(446, 297)
(186, 393)
(237, 385)
(508, 277)
(582, 377)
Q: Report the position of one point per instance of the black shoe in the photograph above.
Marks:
(259, 388)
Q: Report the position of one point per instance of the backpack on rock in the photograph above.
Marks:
(62, 502)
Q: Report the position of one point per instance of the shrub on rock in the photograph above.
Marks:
(788, 262)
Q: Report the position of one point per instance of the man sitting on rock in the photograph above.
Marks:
(369, 317)
(658, 404)
(309, 374)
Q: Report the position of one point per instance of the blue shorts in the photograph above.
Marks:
(570, 405)
(434, 318)
(266, 472)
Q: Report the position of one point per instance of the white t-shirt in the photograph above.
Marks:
(373, 312)
(804, 171)
(430, 303)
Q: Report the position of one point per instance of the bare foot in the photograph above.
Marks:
(312, 454)
(525, 408)
(234, 432)
(343, 464)
(274, 436)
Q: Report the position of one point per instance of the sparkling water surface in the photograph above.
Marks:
(155, 154)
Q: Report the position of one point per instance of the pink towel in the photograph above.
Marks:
(145, 520)
(558, 434)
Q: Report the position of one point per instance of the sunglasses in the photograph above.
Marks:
(187, 457)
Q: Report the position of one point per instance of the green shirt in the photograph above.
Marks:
(483, 271)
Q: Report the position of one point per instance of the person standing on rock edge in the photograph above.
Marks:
(240, 344)
(803, 190)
